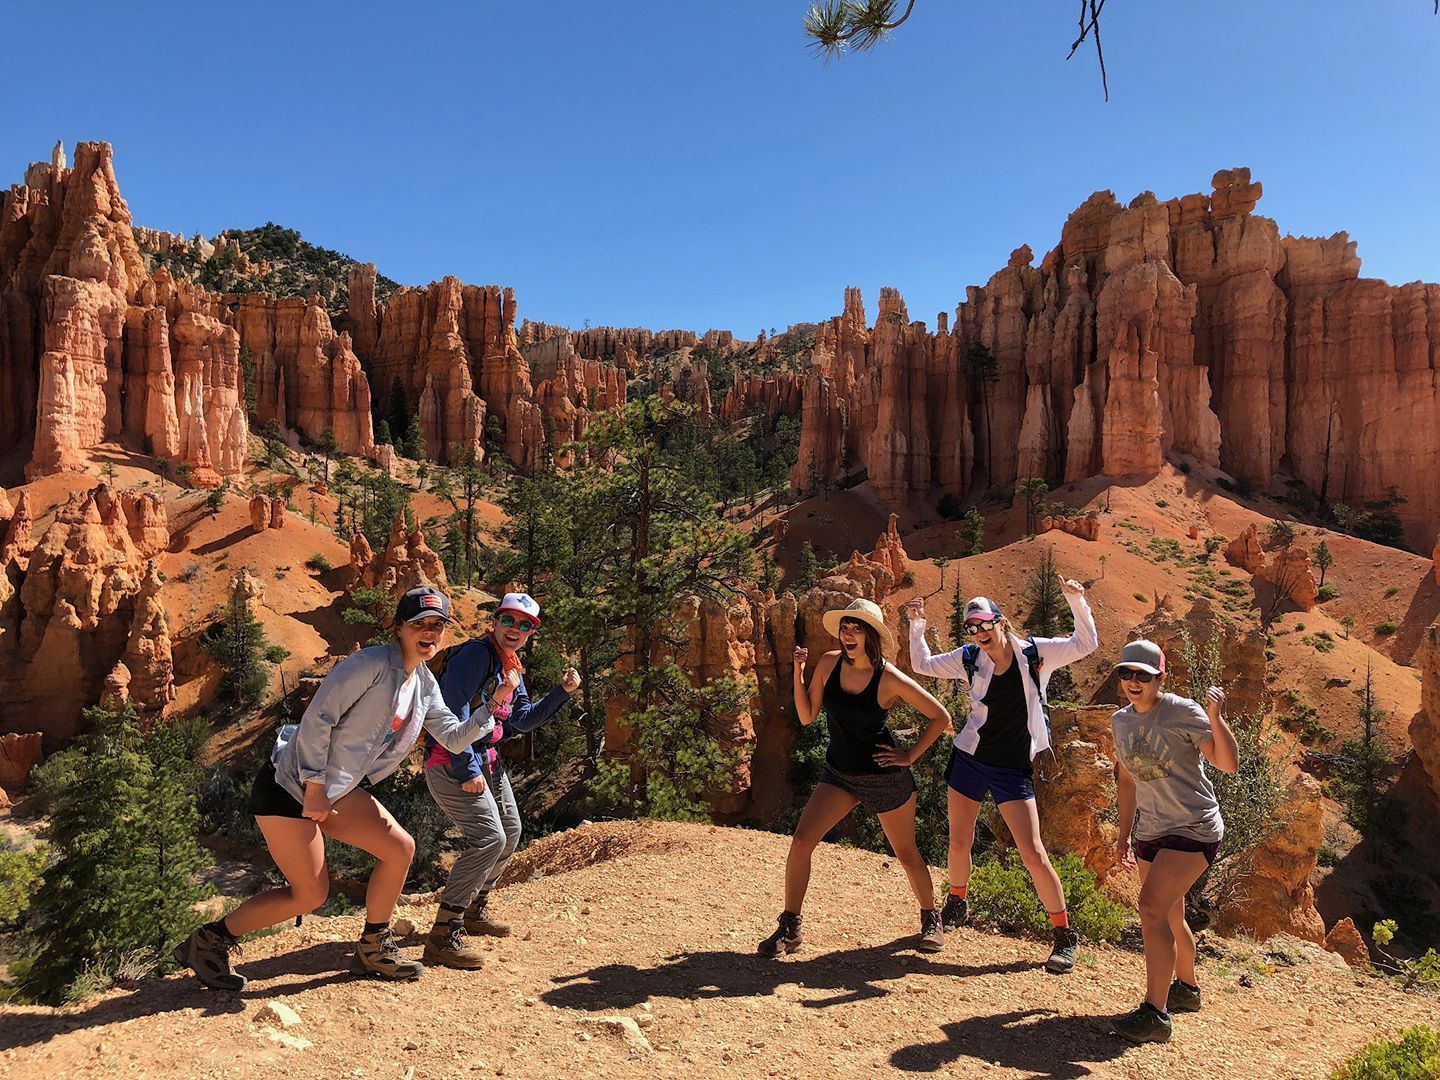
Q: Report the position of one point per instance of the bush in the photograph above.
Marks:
(1327, 592)
(319, 563)
(1280, 534)
(1002, 894)
(1141, 597)
(1415, 1055)
(1393, 590)
(1385, 629)
(1162, 503)
(21, 875)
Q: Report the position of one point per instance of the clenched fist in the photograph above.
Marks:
(570, 680)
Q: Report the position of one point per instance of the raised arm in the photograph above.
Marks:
(945, 666)
(912, 693)
(1221, 749)
(807, 702)
(1085, 640)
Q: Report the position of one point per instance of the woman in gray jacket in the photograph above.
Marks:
(364, 719)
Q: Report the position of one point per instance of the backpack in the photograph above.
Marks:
(488, 684)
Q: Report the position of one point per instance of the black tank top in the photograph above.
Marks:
(1005, 735)
(856, 723)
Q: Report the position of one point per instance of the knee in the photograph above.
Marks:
(1153, 909)
(1034, 857)
(402, 845)
(512, 840)
(803, 845)
(962, 837)
(310, 895)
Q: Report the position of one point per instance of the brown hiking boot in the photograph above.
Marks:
(447, 947)
(208, 955)
(932, 931)
(785, 939)
(478, 919)
(377, 954)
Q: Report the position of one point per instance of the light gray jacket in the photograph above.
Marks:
(345, 735)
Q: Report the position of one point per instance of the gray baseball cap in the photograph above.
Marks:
(1144, 656)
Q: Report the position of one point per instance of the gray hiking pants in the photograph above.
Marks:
(490, 824)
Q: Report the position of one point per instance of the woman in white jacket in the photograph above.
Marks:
(1007, 728)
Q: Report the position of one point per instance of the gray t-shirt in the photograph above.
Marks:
(1161, 750)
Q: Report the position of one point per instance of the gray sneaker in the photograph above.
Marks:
(1145, 1024)
(1062, 956)
(932, 933)
(1182, 998)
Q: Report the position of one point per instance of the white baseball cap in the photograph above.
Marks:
(521, 604)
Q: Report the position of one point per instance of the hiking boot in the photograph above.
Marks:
(478, 919)
(1145, 1024)
(447, 947)
(377, 954)
(955, 913)
(1062, 957)
(1182, 998)
(785, 939)
(208, 955)
(932, 932)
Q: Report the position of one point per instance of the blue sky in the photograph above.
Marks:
(676, 164)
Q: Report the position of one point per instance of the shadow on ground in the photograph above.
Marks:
(1041, 1042)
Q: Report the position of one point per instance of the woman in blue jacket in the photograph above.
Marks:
(472, 786)
(364, 719)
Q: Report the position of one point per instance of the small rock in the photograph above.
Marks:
(625, 1027)
(277, 1012)
(412, 1046)
(403, 927)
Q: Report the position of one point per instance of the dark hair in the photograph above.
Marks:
(871, 637)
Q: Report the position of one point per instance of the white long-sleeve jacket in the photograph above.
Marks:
(1054, 653)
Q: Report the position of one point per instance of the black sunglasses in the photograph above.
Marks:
(523, 625)
(973, 628)
(1130, 674)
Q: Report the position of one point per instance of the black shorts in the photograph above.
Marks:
(1146, 850)
(878, 792)
(269, 799)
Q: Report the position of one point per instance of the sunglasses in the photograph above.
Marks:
(973, 628)
(1135, 675)
(512, 623)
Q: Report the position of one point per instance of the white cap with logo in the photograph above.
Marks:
(521, 604)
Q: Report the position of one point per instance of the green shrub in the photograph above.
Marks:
(21, 875)
(1385, 629)
(1002, 894)
(1415, 1055)
(319, 563)
(1162, 503)
(1327, 592)
(1393, 590)
(1141, 597)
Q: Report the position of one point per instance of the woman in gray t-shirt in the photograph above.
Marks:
(1162, 742)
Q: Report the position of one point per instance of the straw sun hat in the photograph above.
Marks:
(865, 611)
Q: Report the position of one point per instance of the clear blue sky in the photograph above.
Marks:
(671, 163)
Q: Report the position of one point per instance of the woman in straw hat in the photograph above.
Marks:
(863, 763)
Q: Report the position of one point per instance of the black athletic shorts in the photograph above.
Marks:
(878, 792)
(269, 799)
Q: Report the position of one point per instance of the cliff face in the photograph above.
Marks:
(1187, 327)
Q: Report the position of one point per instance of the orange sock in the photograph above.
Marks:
(1060, 918)
(959, 890)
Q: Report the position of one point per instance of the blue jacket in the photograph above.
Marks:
(473, 666)
(345, 735)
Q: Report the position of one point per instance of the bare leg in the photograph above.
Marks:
(299, 852)
(364, 823)
(899, 826)
(827, 807)
(1165, 884)
(963, 813)
(1024, 823)
(1184, 936)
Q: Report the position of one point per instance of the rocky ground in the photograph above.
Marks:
(633, 956)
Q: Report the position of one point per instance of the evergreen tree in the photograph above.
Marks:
(972, 532)
(413, 443)
(1323, 559)
(123, 831)
(397, 407)
(809, 567)
(957, 617)
(237, 643)
(327, 446)
(1033, 490)
(1362, 764)
(461, 486)
(382, 434)
(1046, 612)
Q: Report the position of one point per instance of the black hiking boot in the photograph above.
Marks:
(208, 955)
(1145, 1024)
(1062, 957)
(478, 919)
(1182, 997)
(932, 933)
(785, 939)
(955, 913)
(377, 954)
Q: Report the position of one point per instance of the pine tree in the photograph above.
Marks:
(972, 532)
(1033, 490)
(957, 617)
(413, 443)
(237, 643)
(809, 567)
(123, 831)
(1046, 612)
(1323, 559)
(1362, 764)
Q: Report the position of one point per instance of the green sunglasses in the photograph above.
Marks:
(523, 625)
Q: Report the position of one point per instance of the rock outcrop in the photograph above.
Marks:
(890, 552)
(1425, 727)
(1288, 570)
(1085, 526)
(145, 675)
(18, 754)
(407, 561)
(1345, 941)
(259, 513)
(1078, 785)
(1246, 552)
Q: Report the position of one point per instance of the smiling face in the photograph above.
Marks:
(421, 639)
(989, 634)
(1142, 695)
(512, 630)
(859, 640)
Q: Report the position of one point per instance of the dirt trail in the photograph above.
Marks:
(657, 923)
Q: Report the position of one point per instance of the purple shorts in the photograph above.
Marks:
(1146, 850)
